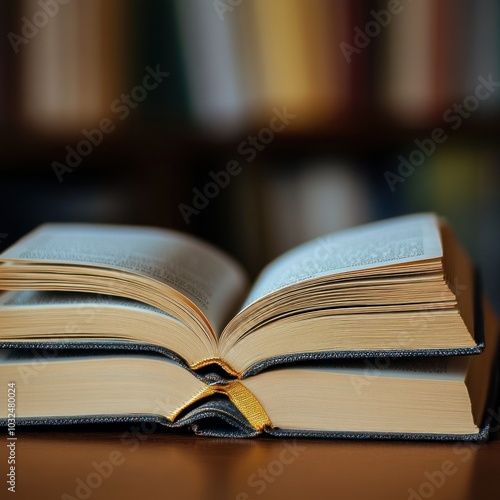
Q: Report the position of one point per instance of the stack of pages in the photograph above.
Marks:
(378, 331)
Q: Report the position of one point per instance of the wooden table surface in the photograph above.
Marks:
(126, 463)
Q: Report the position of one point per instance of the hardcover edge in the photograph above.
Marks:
(237, 426)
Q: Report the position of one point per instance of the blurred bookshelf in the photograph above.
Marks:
(363, 80)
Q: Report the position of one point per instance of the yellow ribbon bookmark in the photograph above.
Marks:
(217, 361)
(242, 398)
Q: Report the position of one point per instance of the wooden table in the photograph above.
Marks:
(123, 463)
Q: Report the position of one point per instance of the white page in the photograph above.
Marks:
(394, 241)
(213, 281)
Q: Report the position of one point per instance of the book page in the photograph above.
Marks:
(389, 242)
(206, 276)
(90, 301)
(442, 367)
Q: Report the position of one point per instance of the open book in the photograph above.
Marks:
(400, 284)
(400, 287)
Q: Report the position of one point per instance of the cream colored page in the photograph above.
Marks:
(393, 241)
(30, 299)
(211, 280)
(444, 368)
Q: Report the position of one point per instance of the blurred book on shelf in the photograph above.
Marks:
(412, 81)
(329, 195)
(483, 47)
(72, 65)
(3, 74)
(8, 82)
(156, 34)
(300, 64)
(213, 66)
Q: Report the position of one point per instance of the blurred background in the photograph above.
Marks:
(255, 124)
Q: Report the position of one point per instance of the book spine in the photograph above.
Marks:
(212, 64)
